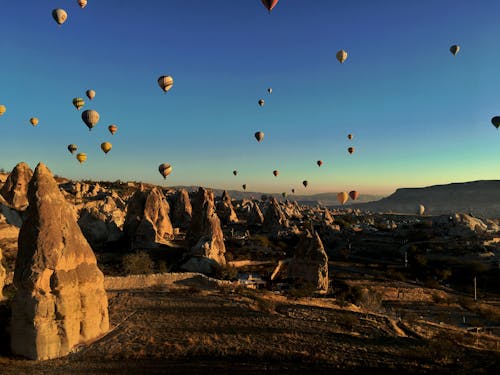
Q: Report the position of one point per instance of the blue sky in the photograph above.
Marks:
(419, 116)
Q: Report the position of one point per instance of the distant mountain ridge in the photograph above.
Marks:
(481, 198)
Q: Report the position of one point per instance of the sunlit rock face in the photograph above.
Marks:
(15, 189)
(225, 210)
(205, 240)
(60, 300)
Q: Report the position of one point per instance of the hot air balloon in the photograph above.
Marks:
(82, 3)
(276, 173)
(350, 150)
(259, 136)
(34, 121)
(496, 121)
(78, 103)
(349, 136)
(106, 147)
(305, 183)
(112, 129)
(420, 209)
(165, 169)
(342, 197)
(354, 195)
(320, 163)
(269, 4)
(81, 157)
(60, 16)
(341, 56)
(244, 186)
(72, 148)
(293, 191)
(261, 102)
(166, 83)
(454, 49)
(90, 94)
(90, 118)
(270, 90)
(283, 195)
(2, 109)
(235, 172)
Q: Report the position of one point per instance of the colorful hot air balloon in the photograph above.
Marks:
(259, 136)
(235, 172)
(244, 186)
(34, 121)
(60, 16)
(82, 3)
(165, 169)
(106, 147)
(166, 83)
(496, 121)
(349, 136)
(72, 148)
(320, 163)
(305, 183)
(350, 150)
(270, 90)
(454, 49)
(342, 197)
(276, 173)
(354, 195)
(420, 209)
(90, 118)
(112, 129)
(90, 94)
(269, 4)
(2, 109)
(78, 103)
(341, 56)
(261, 102)
(81, 157)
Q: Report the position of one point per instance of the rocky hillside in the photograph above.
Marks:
(481, 198)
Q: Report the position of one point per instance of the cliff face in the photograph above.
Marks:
(481, 198)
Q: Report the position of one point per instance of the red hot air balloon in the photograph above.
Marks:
(269, 4)
(320, 163)
(354, 195)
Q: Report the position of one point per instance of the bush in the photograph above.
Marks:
(138, 263)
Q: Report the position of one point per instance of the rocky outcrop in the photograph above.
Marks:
(3, 275)
(205, 238)
(225, 210)
(291, 210)
(309, 266)
(255, 216)
(147, 224)
(182, 210)
(327, 217)
(60, 300)
(459, 225)
(15, 189)
(274, 218)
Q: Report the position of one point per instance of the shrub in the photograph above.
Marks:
(137, 263)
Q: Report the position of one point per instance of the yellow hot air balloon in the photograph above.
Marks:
(78, 103)
(2, 109)
(341, 56)
(82, 3)
(90, 118)
(60, 16)
(165, 169)
(166, 83)
(90, 94)
(106, 147)
(34, 121)
(342, 197)
(81, 157)
(112, 129)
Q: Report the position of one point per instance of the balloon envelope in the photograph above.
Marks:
(305, 183)
(165, 169)
(454, 49)
(276, 173)
(82, 3)
(349, 136)
(244, 186)
(269, 4)
(106, 147)
(270, 90)
(235, 172)
(34, 121)
(261, 102)
(60, 16)
(72, 148)
(165, 83)
(112, 129)
(259, 136)
(354, 195)
(81, 157)
(78, 103)
(350, 150)
(90, 118)
(341, 56)
(496, 121)
(2, 109)
(342, 197)
(320, 163)
(90, 94)
(420, 209)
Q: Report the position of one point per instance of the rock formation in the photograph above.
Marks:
(3, 275)
(205, 238)
(182, 210)
(327, 217)
(274, 219)
(309, 266)
(225, 210)
(147, 223)
(60, 300)
(255, 216)
(460, 225)
(16, 186)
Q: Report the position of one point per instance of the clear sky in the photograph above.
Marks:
(419, 116)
